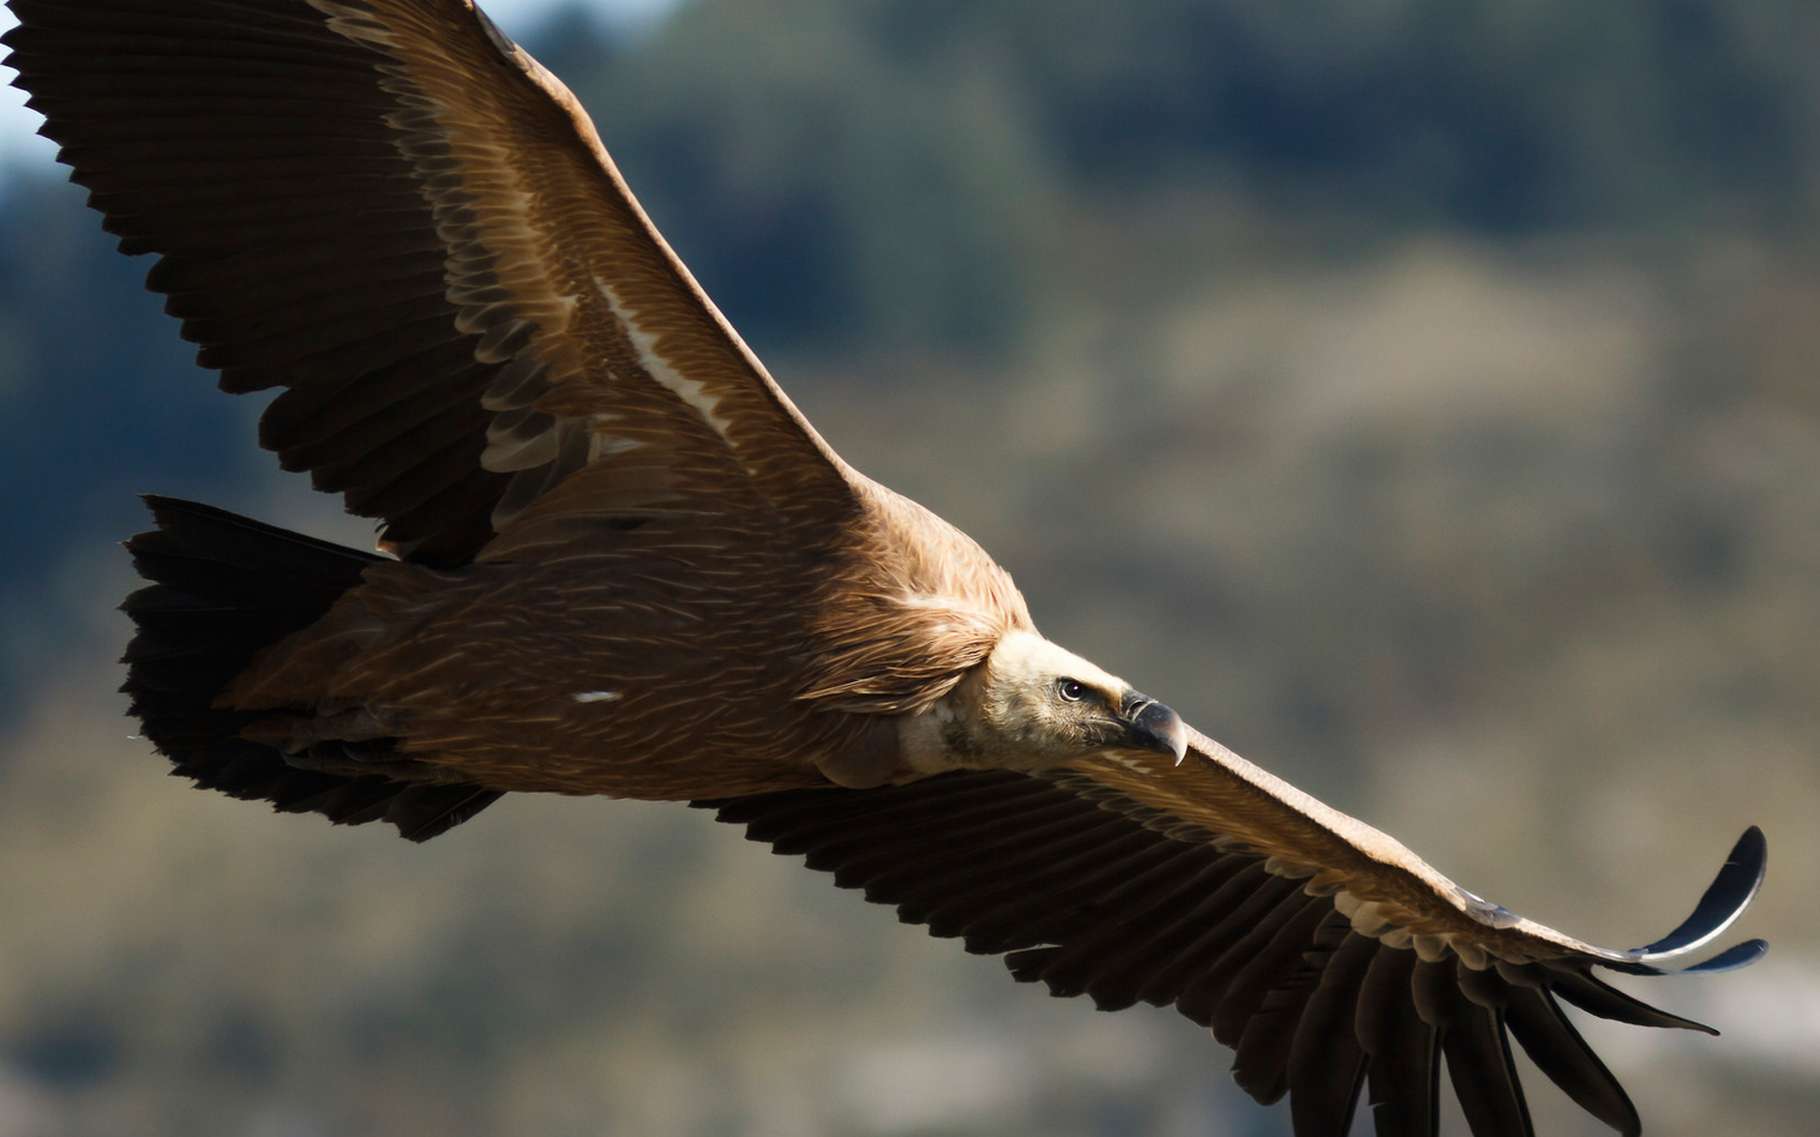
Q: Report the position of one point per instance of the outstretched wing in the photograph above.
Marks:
(1326, 954)
(391, 211)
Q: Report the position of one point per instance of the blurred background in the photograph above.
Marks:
(1419, 396)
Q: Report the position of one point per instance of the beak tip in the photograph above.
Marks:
(1159, 728)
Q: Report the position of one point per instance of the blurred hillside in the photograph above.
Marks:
(1418, 396)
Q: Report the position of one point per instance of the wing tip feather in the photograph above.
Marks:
(1731, 892)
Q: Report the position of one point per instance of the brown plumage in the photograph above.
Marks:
(620, 562)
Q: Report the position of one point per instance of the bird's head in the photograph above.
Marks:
(1035, 704)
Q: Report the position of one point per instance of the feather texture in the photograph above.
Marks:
(376, 154)
(626, 565)
(1093, 893)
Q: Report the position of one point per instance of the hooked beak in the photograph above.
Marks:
(1152, 726)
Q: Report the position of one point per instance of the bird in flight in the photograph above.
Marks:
(617, 560)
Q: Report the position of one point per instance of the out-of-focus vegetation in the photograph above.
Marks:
(1420, 396)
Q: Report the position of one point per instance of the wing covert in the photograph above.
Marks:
(393, 213)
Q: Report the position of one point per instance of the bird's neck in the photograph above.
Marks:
(940, 738)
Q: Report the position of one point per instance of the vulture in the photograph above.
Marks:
(616, 559)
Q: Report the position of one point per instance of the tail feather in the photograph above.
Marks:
(224, 587)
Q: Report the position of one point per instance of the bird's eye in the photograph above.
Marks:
(1070, 689)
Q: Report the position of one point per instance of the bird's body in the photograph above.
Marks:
(620, 562)
(681, 653)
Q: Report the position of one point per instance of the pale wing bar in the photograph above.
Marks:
(392, 212)
(552, 261)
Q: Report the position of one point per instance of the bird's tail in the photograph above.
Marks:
(222, 588)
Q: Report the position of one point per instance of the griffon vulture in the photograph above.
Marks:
(619, 561)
